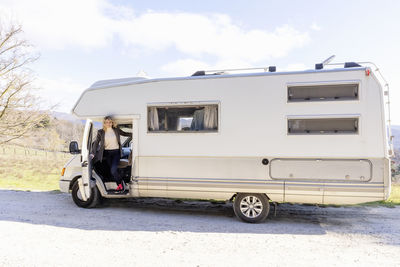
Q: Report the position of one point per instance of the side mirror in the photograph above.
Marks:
(74, 148)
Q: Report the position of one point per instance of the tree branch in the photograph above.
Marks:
(18, 114)
(12, 32)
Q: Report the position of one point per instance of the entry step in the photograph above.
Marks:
(114, 192)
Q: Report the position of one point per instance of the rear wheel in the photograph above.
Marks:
(251, 208)
(89, 203)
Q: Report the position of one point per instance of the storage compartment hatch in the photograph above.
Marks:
(321, 169)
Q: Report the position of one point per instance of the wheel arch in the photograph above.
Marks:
(99, 184)
(71, 184)
(234, 195)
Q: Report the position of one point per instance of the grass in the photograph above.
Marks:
(30, 169)
(395, 195)
(394, 198)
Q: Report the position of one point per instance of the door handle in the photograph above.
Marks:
(85, 163)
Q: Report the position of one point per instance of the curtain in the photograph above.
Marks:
(210, 117)
(153, 119)
(198, 120)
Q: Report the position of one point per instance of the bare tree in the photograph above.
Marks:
(19, 108)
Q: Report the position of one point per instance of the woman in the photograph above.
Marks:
(107, 146)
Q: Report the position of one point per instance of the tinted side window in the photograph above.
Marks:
(182, 118)
(334, 92)
(323, 126)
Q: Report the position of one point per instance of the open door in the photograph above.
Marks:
(86, 161)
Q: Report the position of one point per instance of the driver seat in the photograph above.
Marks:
(123, 163)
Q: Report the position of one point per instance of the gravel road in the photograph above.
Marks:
(47, 229)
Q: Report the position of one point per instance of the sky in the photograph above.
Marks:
(81, 42)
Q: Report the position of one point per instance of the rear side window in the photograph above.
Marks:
(323, 126)
(328, 92)
(198, 118)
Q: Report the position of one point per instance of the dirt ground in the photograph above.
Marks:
(47, 229)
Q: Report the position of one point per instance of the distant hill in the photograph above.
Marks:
(66, 117)
(71, 118)
(396, 134)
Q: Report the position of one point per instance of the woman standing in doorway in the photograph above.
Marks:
(107, 146)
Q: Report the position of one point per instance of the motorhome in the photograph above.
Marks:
(253, 137)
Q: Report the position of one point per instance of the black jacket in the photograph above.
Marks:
(99, 145)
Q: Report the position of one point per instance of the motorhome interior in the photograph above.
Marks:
(312, 136)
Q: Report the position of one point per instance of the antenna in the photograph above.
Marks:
(328, 60)
(320, 66)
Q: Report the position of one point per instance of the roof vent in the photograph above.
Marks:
(199, 73)
(351, 65)
(319, 66)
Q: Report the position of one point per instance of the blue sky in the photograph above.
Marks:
(81, 42)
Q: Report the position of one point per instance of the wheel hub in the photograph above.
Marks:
(251, 206)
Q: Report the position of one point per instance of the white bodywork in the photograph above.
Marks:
(253, 120)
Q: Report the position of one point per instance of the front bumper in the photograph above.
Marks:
(64, 185)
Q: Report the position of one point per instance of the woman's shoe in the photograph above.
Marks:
(119, 188)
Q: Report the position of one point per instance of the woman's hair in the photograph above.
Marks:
(114, 124)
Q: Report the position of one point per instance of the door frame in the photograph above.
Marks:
(85, 182)
(135, 120)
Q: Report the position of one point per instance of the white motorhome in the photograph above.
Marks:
(314, 136)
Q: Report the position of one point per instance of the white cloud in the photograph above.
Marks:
(57, 24)
(184, 67)
(96, 23)
(215, 35)
(295, 67)
(315, 27)
(61, 93)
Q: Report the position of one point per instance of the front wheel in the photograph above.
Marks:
(251, 208)
(91, 202)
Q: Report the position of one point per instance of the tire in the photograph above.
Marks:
(251, 208)
(92, 202)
